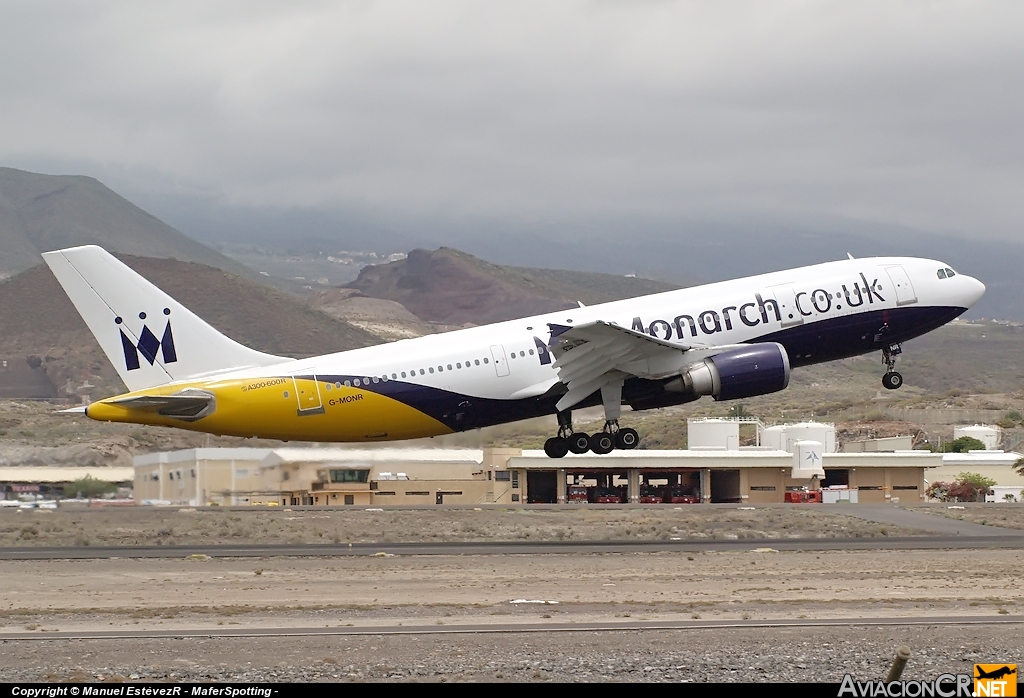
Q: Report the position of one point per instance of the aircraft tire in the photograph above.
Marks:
(579, 442)
(627, 439)
(602, 443)
(892, 380)
(556, 447)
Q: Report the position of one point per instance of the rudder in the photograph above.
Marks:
(149, 337)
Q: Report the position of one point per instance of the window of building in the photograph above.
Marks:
(350, 499)
(502, 475)
(515, 479)
(349, 475)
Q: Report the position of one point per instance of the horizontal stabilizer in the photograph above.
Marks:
(188, 405)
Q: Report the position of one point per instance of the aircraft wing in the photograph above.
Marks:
(594, 354)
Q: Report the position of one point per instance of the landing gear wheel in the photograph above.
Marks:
(556, 447)
(627, 439)
(892, 380)
(602, 443)
(578, 442)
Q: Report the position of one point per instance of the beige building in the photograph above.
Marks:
(394, 476)
(324, 477)
(751, 476)
(997, 465)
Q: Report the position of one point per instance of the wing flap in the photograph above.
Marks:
(595, 354)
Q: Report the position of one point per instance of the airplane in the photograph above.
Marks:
(730, 340)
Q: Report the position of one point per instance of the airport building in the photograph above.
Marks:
(17, 481)
(788, 463)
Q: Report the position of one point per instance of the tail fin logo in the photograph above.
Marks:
(148, 345)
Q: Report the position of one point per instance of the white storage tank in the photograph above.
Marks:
(825, 434)
(717, 434)
(774, 437)
(782, 436)
(992, 437)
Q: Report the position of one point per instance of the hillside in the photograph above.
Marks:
(454, 288)
(38, 320)
(46, 212)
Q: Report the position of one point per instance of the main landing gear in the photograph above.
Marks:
(604, 441)
(891, 380)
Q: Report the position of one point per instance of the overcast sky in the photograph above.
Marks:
(527, 113)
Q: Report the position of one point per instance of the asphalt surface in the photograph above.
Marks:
(462, 629)
(1014, 540)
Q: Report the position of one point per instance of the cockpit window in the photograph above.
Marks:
(950, 273)
(941, 273)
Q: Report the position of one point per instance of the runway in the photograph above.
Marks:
(1003, 540)
(509, 628)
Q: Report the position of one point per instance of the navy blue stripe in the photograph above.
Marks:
(825, 340)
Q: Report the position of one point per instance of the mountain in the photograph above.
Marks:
(49, 351)
(40, 212)
(454, 288)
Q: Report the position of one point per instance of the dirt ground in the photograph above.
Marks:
(188, 592)
(446, 592)
(1003, 515)
(178, 526)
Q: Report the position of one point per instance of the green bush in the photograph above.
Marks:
(90, 487)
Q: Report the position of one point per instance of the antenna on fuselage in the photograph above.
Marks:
(850, 255)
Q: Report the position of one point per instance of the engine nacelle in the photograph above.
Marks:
(738, 373)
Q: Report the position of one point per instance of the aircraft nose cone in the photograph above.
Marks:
(973, 291)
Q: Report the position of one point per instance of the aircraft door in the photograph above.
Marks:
(785, 296)
(500, 361)
(307, 395)
(905, 294)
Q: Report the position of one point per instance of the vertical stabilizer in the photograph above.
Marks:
(149, 337)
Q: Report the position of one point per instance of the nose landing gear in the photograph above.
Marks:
(891, 380)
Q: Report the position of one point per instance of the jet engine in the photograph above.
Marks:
(737, 373)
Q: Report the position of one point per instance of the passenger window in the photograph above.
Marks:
(431, 369)
(422, 371)
(348, 384)
(328, 386)
(338, 385)
(523, 353)
(477, 362)
(403, 374)
(512, 355)
(440, 369)
(449, 367)
(531, 352)
(485, 360)
(941, 273)
(394, 376)
(458, 365)
(355, 382)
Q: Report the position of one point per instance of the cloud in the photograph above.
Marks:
(897, 113)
